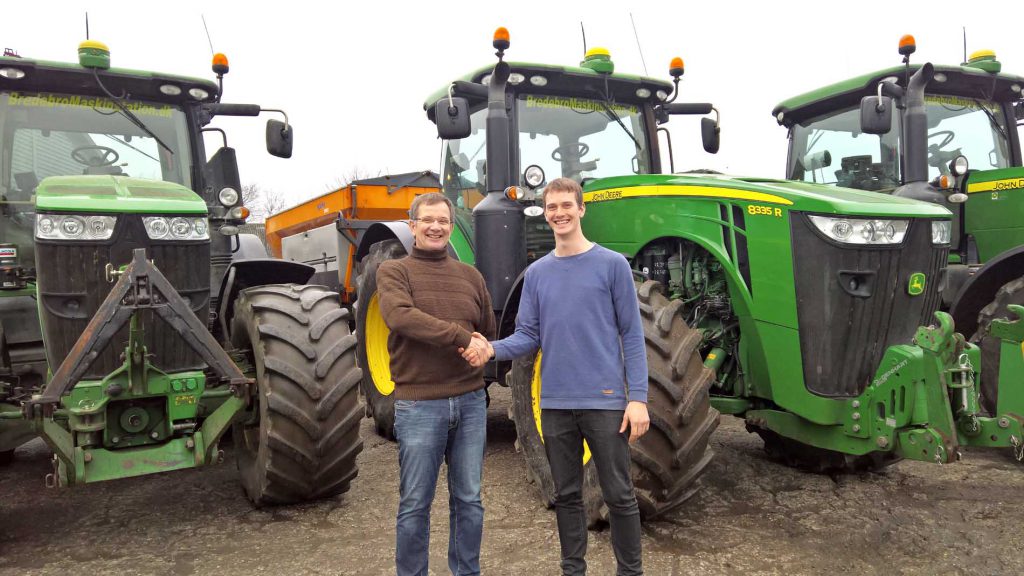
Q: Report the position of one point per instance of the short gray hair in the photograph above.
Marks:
(429, 199)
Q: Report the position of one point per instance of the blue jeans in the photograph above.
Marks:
(564, 433)
(429, 431)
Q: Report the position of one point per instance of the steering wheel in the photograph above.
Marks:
(948, 136)
(105, 157)
(580, 148)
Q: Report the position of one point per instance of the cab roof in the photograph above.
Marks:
(567, 80)
(960, 81)
(66, 77)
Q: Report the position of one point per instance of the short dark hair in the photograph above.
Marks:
(563, 185)
(429, 199)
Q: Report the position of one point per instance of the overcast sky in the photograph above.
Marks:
(353, 76)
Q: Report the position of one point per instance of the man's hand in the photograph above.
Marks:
(478, 352)
(636, 419)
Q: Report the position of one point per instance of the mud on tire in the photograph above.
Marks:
(372, 344)
(668, 460)
(302, 438)
(1010, 293)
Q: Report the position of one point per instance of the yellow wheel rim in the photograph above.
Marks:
(535, 385)
(377, 348)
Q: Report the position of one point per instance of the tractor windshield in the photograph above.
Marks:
(831, 149)
(49, 134)
(580, 138)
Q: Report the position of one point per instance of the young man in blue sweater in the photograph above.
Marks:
(579, 305)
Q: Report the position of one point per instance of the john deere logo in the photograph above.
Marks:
(916, 285)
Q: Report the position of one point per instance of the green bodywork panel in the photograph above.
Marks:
(868, 82)
(460, 242)
(116, 194)
(994, 212)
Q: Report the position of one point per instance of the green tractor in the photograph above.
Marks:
(795, 306)
(137, 326)
(953, 141)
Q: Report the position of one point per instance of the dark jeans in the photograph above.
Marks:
(453, 430)
(564, 433)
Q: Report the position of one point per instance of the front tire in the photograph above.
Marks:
(1011, 293)
(301, 440)
(668, 460)
(372, 348)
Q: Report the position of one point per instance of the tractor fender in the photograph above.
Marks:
(395, 230)
(980, 289)
(254, 272)
(507, 323)
(249, 247)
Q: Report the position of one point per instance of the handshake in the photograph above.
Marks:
(478, 352)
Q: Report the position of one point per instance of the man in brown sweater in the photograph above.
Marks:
(432, 304)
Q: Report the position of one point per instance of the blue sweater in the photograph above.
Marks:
(582, 311)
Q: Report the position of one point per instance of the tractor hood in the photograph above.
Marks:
(800, 196)
(116, 194)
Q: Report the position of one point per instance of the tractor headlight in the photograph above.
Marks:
(176, 228)
(942, 231)
(74, 227)
(534, 176)
(861, 230)
(228, 196)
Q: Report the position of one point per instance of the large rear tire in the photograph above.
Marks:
(668, 460)
(1010, 293)
(372, 348)
(301, 440)
(819, 460)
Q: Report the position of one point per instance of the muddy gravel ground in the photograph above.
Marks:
(753, 516)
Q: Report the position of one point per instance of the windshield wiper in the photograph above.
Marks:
(612, 115)
(992, 119)
(129, 114)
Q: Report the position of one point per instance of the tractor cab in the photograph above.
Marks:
(510, 128)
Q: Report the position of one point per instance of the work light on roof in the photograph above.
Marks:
(12, 73)
(198, 93)
(170, 89)
(516, 78)
(538, 80)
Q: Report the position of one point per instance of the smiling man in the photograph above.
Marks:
(579, 305)
(433, 304)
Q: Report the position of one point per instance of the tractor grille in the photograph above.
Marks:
(844, 336)
(72, 285)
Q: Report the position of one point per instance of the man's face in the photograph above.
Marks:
(432, 227)
(563, 213)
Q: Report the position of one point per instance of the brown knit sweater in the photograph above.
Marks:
(432, 304)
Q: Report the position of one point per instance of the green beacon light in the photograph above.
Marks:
(599, 60)
(93, 54)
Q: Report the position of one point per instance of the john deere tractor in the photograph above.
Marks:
(135, 328)
(795, 306)
(951, 139)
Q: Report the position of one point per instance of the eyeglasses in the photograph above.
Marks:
(430, 220)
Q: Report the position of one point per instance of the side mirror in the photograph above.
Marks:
(710, 134)
(280, 137)
(876, 114)
(452, 118)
